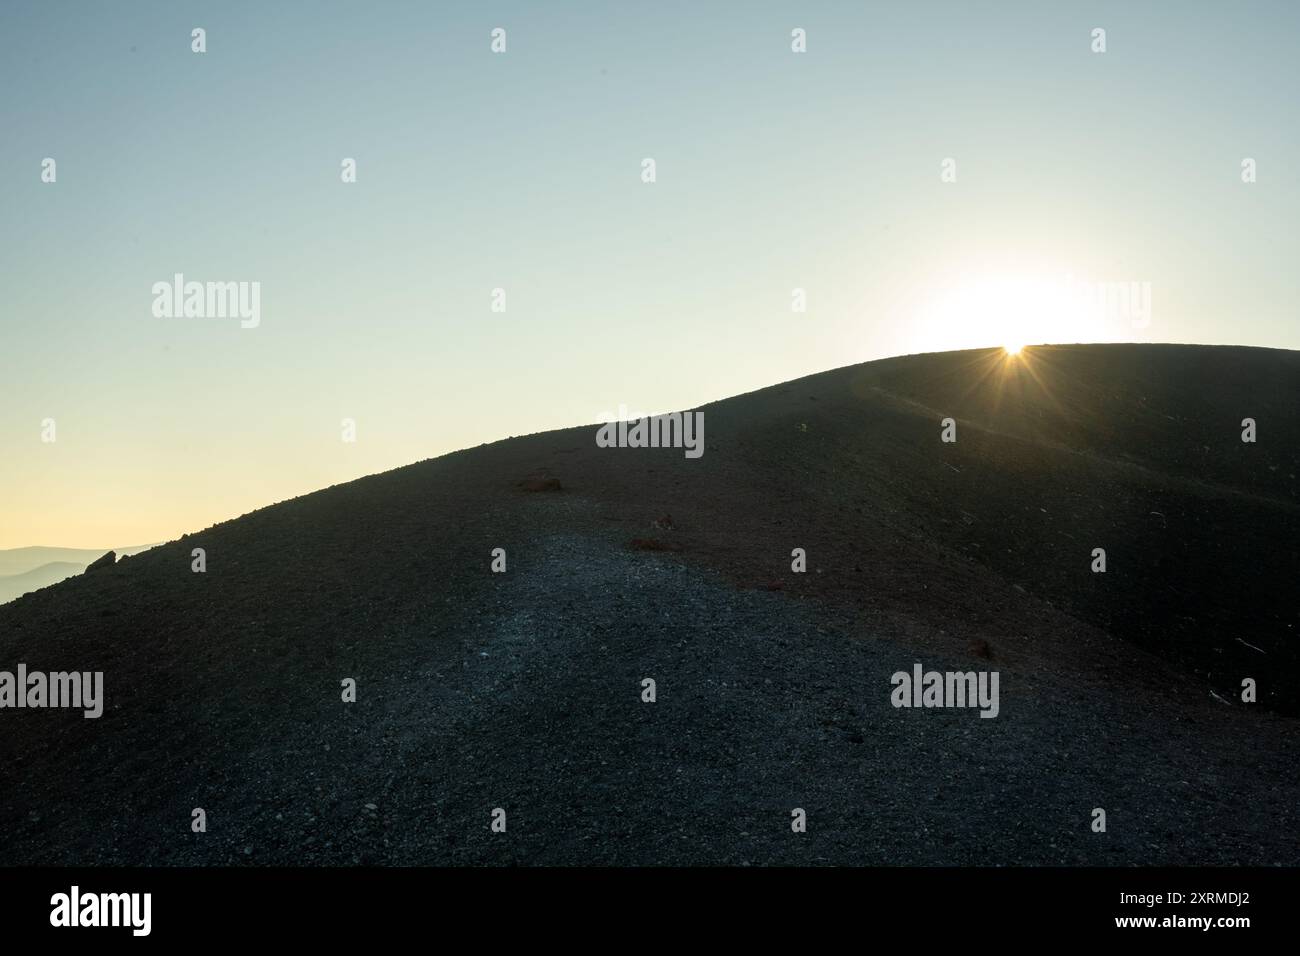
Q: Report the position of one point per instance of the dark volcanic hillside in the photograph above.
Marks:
(522, 690)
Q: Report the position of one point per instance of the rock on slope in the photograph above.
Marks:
(23, 570)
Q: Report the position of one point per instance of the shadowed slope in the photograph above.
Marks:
(478, 690)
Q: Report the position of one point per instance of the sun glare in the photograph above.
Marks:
(1011, 310)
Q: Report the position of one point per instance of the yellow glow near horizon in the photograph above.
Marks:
(1007, 310)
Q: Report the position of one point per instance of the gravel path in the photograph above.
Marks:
(761, 708)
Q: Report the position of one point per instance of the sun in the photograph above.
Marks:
(1011, 310)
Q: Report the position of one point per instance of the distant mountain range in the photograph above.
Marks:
(30, 569)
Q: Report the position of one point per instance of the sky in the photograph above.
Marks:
(1074, 175)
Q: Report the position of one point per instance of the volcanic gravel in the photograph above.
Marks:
(523, 690)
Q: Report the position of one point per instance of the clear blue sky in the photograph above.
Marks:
(775, 170)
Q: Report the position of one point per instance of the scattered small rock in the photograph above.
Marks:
(541, 484)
